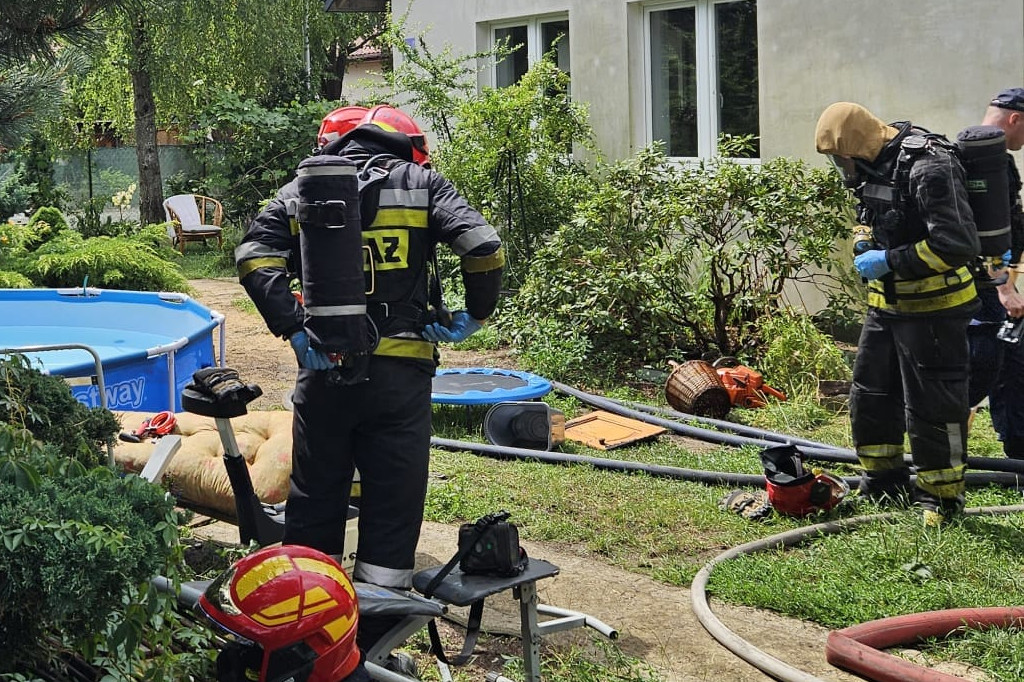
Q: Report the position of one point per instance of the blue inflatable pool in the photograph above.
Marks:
(147, 344)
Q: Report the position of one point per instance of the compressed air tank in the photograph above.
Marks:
(330, 240)
(983, 154)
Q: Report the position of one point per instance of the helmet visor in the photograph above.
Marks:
(847, 168)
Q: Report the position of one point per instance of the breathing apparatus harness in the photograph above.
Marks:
(884, 194)
(373, 172)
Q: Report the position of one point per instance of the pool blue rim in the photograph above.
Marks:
(78, 296)
(536, 387)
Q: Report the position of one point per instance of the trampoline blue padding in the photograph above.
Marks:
(483, 386)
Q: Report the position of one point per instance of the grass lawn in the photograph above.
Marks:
(668, 529)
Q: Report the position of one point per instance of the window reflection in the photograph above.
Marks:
(680, 113)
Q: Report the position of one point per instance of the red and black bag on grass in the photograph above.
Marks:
(795, 491)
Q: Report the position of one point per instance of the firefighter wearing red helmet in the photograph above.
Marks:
(289, 613)
(389, 118)
(381, 425)
(339, 122)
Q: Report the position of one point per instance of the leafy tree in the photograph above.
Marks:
(266, 145)
(511, 155)
(36, 52)
(508, 150)
(183, 55)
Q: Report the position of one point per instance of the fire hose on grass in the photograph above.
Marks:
(845, 650)
(816, 451)
(842, 649)
(850, 648)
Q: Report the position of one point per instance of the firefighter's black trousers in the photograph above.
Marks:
(381, 427)
(911, 377)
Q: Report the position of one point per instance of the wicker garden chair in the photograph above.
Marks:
(193, 217)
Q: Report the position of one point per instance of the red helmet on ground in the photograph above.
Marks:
(290, 612)
(339, 122)
(395, 120)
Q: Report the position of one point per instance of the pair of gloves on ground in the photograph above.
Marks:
(462, 326)
(874, 265)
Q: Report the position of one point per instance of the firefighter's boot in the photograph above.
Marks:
(888, 487)
(937, 511)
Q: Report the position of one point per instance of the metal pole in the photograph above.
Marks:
(530, 633)
(100, 384)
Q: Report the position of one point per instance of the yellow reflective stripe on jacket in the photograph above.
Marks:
(246, 267)
(928, 285)
(925, 305)
(942, 482)
(930, 258)
(405, 348)
(293, 226)
(928, 294)
(882, 457)
(400, 217)
(493, 261)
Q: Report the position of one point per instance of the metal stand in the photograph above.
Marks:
(461, 589)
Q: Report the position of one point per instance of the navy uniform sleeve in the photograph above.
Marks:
(1016, 212)
(266, 258)
(939, 190)
(474, 241)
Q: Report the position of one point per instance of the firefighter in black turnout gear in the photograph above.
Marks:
(997, 367)
(910, 375)
(379, 423)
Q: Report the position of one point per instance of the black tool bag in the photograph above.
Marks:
(492, 550)
(488, 547)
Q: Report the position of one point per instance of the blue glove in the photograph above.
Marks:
(1004, 260)
(872, 264)
(463, 325)
(308, 357)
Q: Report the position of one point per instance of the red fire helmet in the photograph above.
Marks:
(288, 611)
(395, 120)
(339, 122)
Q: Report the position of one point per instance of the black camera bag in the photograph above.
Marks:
(488, 546)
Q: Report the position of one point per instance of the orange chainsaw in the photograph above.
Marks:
(745, 386)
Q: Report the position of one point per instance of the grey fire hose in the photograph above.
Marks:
(761, 660)
(769, 439)
(507, 452)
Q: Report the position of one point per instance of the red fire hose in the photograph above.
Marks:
(857, 648)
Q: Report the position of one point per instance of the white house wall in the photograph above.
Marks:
(598, 48)
(933, 61)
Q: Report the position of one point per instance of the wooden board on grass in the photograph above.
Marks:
(604, 430)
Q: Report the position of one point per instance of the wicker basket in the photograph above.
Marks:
(694, 387)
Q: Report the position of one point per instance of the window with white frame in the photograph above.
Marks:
(531, 39)
(702, 67)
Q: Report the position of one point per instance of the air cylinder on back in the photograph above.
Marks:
(330, 240)
(983, 153)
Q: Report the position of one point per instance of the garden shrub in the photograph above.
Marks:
(43, 405)
(14, 253)
(14, 280)
(15, 192)
(796, 354)
(46, 223)
(107, 262)
(79, 545)
(554, 351)
(665, 259)
(73, 549)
